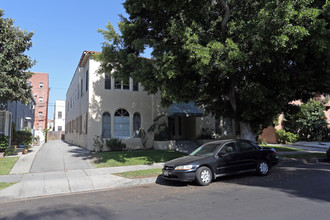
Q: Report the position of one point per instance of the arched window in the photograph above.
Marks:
(136, 124)
(106, 125)
(121, 124)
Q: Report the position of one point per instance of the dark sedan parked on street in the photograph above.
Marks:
(220, 158)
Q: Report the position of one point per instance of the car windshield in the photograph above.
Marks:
(205, 150)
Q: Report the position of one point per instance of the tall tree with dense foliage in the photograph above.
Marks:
(244, 59)
(13, 62)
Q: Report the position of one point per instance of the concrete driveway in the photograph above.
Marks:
(57, 155)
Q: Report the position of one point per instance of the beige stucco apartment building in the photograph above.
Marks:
(99, 105)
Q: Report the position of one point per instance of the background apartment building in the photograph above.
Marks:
(15, 116)
(59, 116)
(40, 90)
(100, 105)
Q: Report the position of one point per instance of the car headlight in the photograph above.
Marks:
(184, 167)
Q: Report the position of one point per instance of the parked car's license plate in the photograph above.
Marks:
(165, 173)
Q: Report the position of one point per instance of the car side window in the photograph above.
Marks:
(228, 148)
(244, 147)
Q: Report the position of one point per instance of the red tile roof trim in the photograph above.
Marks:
(86, 52)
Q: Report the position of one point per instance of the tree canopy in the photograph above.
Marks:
(244, 59)
(13, 62)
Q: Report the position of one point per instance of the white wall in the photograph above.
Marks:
(98, 100)
(59, 120)
(110, 100)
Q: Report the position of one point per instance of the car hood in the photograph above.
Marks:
(184, 160)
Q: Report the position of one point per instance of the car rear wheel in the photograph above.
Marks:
(203, 176)
(262, 168)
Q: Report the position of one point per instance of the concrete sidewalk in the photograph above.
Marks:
(71, 181)
(24, 163)
(38, 184)
(307, 146)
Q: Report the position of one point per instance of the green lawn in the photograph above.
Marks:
(305, 155)
(282, 148)
(140, 157)
(6, 163)
(5, 185)
(140, 173)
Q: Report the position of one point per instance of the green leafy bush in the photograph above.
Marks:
(23, 138)
(10, 150)
(312, 121)
(286, 137)
(115, 144)
(163, 134)
(262, 141)
(4, 142)
(307, 120)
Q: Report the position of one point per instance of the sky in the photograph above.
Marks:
(63, 29)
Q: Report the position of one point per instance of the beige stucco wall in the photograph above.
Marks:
(79, 106)
(98, 100)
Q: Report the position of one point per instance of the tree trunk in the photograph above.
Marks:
(246, 132)
(245, 128)
(225, 17)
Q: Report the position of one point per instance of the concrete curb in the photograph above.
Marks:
(133, 183)
(57, 183)
(31, 185)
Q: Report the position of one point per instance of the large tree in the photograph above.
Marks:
(13, 62)
(244, 59)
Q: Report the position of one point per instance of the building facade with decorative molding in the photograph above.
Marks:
(98, 105)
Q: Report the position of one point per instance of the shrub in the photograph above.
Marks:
(163, 134)
(206, 133)
(4, 142)
(23, 138)
(262, 141)
(10, 150)
(115, 144)
(285, 137)
(312, 121)
(307, 120)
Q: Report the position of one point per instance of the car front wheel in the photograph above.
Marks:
(203, 176)
(263, 168)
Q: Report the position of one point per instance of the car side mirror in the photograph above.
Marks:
(221, 153)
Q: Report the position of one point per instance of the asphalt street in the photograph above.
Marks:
(293, 190)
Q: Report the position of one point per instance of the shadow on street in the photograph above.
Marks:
(298, 179)
(63, 211)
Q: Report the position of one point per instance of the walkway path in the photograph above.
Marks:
(59, 156)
